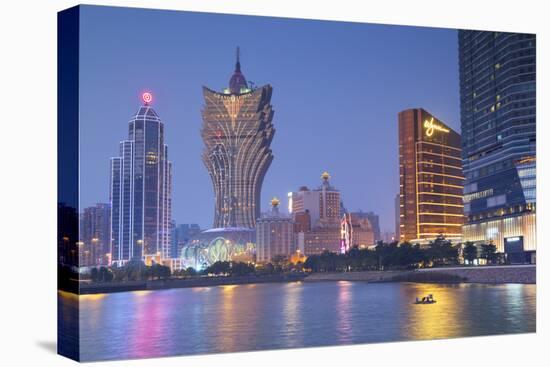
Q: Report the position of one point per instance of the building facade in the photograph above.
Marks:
(430, 178)
(498, 119)
(374, 223)
(274, 235)
(397, 216)
(363, 231)
(141, 191)
(95, 235)
(237, 131)
(322, 204)
(317, 217)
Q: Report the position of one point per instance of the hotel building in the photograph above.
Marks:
(274, 234)
(140, 194)
(237, 133)
(322, 204)
(430, 178)
(317, 217)
(498, 117)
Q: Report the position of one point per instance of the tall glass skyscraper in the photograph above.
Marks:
(498, 115)
(237, 133)
(140, 194)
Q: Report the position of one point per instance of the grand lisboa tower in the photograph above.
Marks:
(237, 131)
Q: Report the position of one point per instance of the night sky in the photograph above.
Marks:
(337, 90)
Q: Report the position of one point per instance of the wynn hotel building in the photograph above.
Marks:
(430, 178)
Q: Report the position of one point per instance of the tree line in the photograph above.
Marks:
(132, 271)
(384, 256)
(394, 256)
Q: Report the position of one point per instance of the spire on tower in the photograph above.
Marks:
(237, 81)
(238, 64)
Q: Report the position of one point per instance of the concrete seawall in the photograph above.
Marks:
(113, 287)
(522, 274)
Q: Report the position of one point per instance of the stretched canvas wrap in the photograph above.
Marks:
(233, 183)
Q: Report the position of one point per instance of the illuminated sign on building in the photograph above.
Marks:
(430, 127)
(147, 97)
(345, 234)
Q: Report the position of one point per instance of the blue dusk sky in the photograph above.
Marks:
(337, 90)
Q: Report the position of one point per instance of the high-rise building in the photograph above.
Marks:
(95, 234)
(498, 117)
(317, 217)
(141, 187)
(322, 204)
(237, 131)
(274, 234)
(430, 178)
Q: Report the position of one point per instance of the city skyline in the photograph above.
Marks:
(345, 89)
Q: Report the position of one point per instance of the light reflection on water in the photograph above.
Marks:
(286, 315)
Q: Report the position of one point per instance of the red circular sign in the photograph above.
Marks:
(147, 97)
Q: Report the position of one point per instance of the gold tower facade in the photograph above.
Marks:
(430, 178)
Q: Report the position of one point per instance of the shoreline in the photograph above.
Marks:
(508, 274)
(173, 283)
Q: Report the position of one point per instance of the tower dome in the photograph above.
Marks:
(237, 80)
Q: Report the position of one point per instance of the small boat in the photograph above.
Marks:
(428, 300)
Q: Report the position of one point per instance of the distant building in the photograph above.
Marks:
(389, 237)
(322, 204)
(141, 187)
(317, 217)
(237, 131)
(498, 120)
(183, 233)
(363, 233)
(374, 222)
(274, 234)
(95, 235)
(430, 178)
(67, 236)
(322, 239)
(302, 222)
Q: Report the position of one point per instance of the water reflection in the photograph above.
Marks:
(292, 313)
(343, 312)
(443, 319)
(266, 316)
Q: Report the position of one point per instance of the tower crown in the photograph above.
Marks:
(237, 81)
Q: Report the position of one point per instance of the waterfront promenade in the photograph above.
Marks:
(520, 274)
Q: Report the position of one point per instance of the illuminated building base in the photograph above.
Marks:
(500, 230)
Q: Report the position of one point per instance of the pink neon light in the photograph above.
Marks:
(147, 97)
